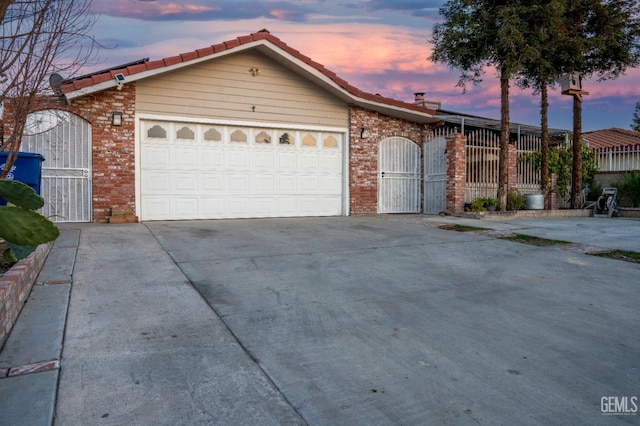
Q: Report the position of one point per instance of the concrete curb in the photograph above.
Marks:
(15, 286)
(522, 214)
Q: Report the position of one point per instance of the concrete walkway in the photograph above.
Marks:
(370, 320)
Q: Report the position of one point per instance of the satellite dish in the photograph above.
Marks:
(55, 81)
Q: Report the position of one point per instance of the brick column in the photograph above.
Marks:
(456, 172)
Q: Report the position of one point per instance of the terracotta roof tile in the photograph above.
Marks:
(612, 138)
(219, 47)
(206, 51)
(189, 56)
(245, 39)
(134, 69)
(152, 65)
(260, 35)
(83, 83)
(172, 60)
(231, 44)
(101, 78)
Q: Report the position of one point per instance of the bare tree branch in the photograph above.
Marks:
(39, 38)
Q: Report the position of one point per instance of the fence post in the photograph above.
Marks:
(456, 172)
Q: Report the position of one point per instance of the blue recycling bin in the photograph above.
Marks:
(27, 169)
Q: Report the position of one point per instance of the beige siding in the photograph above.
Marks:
(223, 88)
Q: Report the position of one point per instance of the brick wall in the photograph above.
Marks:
(113, 147)
(363, 154)
(15, 286)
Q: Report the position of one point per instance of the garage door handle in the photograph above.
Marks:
(382, 174)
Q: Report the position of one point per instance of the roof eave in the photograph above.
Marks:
(129, 78)
(323, 80)
(289, 60)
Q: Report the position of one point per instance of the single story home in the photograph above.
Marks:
(246, 128)
(253, 128)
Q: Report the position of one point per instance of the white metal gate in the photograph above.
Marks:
(399, 176)
(64, 140)
(435, 175)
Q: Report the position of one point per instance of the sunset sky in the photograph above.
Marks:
(376, 45)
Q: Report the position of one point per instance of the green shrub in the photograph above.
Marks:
(561, 163)
(481, 204)
(629, 189)
(515, 200)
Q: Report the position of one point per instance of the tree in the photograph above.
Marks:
(635, 125)
(38, 38)
(540, 69)
(601, 38)
(480, 33)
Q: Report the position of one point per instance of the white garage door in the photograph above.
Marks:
(203, 171)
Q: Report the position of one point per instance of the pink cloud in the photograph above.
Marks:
(379, 58)
(149, 9)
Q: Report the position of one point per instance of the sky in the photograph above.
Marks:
(378, 46)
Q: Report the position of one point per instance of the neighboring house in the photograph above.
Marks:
(618, 151)
(246, 128)
(611, 138)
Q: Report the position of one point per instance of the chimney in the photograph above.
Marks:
(421, 101)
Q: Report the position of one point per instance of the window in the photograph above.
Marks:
(185, 133)
(212, 135)
(263, 137)
(157, 132)
(287, 139)
(309, 140)
(238, 136)
(330, 142)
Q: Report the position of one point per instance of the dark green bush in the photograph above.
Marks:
(629, 189)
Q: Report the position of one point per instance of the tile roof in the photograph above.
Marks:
(99, 81)
(612, 138)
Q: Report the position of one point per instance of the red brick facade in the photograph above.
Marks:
(363, 154)
(456, 172)
(113, 180)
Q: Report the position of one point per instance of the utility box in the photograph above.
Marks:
(27, 169)
(571, 83)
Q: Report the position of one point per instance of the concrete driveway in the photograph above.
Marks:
(390, 320)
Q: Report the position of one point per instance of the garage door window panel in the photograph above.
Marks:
(330, 142)
(263, 138)
(309, 140)
(213, 135)
(185, 133)
(157, 131)
(239, 136)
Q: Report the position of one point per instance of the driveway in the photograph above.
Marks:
(390, 320)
